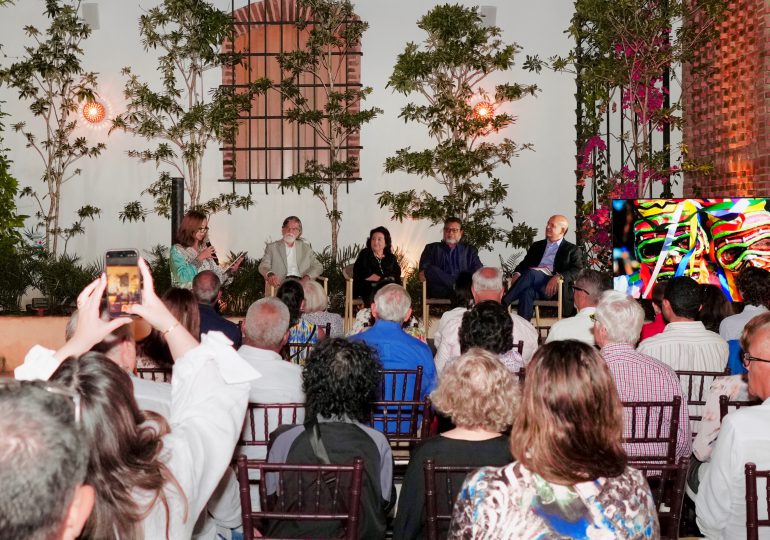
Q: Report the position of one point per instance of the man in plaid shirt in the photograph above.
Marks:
(638, 377)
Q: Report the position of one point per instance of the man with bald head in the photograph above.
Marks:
(207, 289)
(537, 276)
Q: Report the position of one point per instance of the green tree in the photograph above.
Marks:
(334, 32)
(51, 76)
(189, 35)
(448, 71)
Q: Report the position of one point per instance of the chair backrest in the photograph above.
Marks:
(262, 419)
(157, 374)
(650, 430)
(442, 485)
(396, 383)
(695, 386)
(323, 493)
(402, 421)
(427, 302)
(298, 351)
(752, 512)
(519, 346)
(667, 483)
(521, 374)
(725, 405)
(347, 271)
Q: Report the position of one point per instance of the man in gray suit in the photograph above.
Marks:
(289, 256)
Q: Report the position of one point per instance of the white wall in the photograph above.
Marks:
(540, 182)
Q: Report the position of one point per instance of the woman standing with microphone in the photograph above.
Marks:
(192, 252)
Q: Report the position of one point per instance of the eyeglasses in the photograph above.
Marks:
(452, 229)
(581, 289)
(747, 359)
(56, 390)
(204, 229)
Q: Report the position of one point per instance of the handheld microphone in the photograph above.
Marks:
(213, 255)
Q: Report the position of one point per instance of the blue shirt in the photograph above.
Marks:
(549, 256)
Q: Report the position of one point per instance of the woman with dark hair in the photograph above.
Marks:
(153, 350)
(152, 479)
(302, 333)
(375, 263)
(193, 253)
(571, 478)
(715, 308)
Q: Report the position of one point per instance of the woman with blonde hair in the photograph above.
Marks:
(315, 309)
(481, 397)
(571, 478)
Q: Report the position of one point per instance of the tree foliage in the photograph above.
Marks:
(178, 116)
(447, 71)
(50, 75)
(334, 32)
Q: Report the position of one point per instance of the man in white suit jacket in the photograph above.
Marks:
(289, 256)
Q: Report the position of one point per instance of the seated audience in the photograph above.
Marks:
(586, 289)
(715, 308)
(480, 397)
(153, 349)
(685, 344)
(657, 324)
(754, 285)
(315, 310)
(441, 262)
(744, 437)
(375, 263)
(302, 334)
(488, 326)
(43, 460)
(291, 256)
(461, 301)
(537, 276)
(638, 377)
(364, 320)
(396, 349)
(207, 290)
(341, 379)
(570, 478)
(151, 481)
(487, 285)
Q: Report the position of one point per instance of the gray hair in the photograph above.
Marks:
(205, 286)
(266, 323)
(488, 278)
(315, 297)
(594, 282)
(621, 316)
(392, 303)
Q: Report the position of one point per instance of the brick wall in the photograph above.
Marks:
(727, 106)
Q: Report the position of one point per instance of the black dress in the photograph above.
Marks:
(367, 264)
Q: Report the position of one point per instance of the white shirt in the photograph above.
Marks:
(449, 348)
(281, 381)
(579, 327)
(687, 346)
(732, 326)
(446, 317)
(721, 500)
(291, 260)
(209, 392)
(152, 396)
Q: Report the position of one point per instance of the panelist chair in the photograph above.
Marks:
(350, 302)
(270, 290)
(427, 302)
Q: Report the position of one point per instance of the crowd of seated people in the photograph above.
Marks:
(549, 444)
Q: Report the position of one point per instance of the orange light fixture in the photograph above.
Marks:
(94, 112)
(483, 110)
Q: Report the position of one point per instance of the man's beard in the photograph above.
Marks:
(451, 241)
(289, 238)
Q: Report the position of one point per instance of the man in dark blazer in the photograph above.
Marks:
(441, 262)
(206, 288)
(537, 276)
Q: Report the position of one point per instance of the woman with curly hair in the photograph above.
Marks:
(340, 379)
(571, 478)
(153, 478)
(481, 397)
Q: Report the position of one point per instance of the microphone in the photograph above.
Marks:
(213, 255)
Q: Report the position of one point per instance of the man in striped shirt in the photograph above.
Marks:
(638, 377)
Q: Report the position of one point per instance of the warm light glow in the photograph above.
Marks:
(483, 110)
(94, 112)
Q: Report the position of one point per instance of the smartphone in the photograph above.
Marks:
(124, 282)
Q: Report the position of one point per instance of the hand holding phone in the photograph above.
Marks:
(124, 281)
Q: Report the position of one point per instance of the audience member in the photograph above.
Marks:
(43, 459)
(192, 253)
(396, 349)
(315, 311)
(151, 481)
(657, 324)
(341, 379)
(685, 344)
(442, 262)
(571, 471)
(487, 285)
(291, 256)
(153, 350)
(461, 301)
(754, 286)
(537, 276)
(302, 334)
(375, 263)
(265, 332)
(587, 289)
(638, 377)
(488, 326)
(207, 290)
(715, 308)
(480, 397)
(744, 437)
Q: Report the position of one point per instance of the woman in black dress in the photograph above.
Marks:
(375, 263)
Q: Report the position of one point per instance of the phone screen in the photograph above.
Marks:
(124, 282)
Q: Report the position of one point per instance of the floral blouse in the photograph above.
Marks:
(513, 502)
(184, 267)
